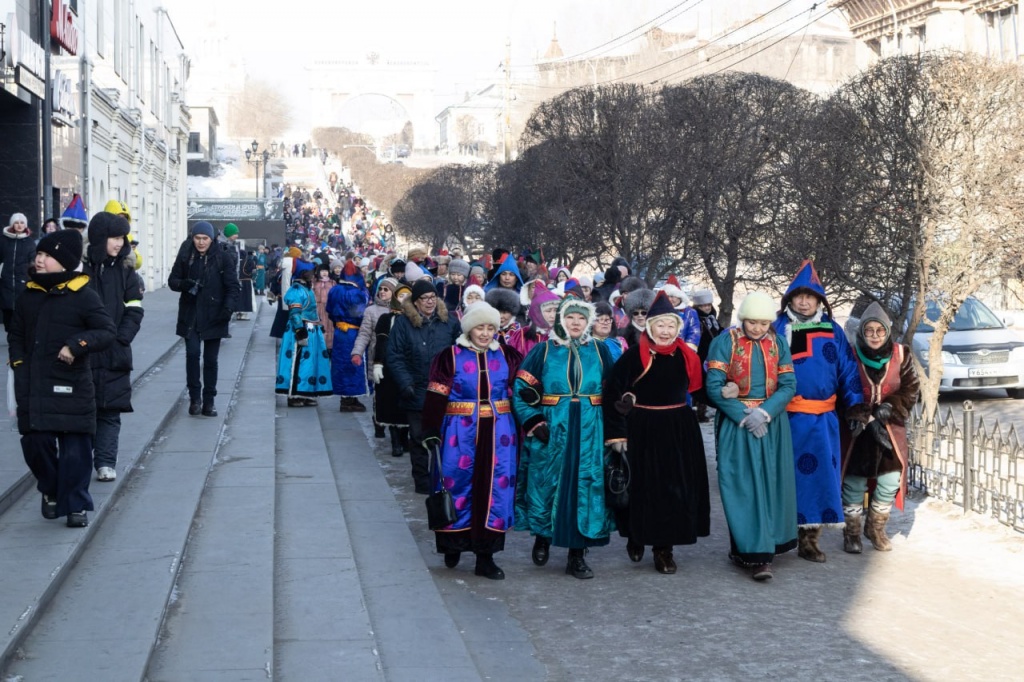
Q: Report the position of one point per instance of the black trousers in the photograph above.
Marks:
(210, 349)
(417, 453)
(62, 465)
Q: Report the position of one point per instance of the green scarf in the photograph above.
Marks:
(873, 364)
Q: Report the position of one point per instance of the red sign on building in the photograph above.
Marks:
(62, 27)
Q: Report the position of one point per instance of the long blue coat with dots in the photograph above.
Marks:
(309, 373)
(825, 369)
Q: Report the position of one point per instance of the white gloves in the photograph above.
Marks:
(730, 390)
(378, 373)
(756, 422)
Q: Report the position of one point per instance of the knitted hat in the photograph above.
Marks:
(396, 298)
(64, 246)
(459, 267)
(230, 230)
(389, 283)
(503, 300)
(703, 297)
(74, 215)
(478, 290)
(421, 288)
(875, 313)
(586, 281)
(204, 228)
(479, 313)
(413, 273)
(757, 306)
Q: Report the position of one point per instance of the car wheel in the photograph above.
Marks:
(1015, 393)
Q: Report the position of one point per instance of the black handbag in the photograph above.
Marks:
(440, 506)
(616, 479)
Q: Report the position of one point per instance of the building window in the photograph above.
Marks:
(193, 144)
(101, 49)
(1001, 34)
(118, 38)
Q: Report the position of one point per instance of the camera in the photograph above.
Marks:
(196, 287)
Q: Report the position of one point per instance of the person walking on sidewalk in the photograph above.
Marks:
(303, 364)
(750, 382)
(879, 451)
(57, 324)
(828, 397)
(207, 278)
(423, 330)
(387, 410)
(557, 402)
(346, 304)
(17, 252)
(110, 264)
(366, 340)
(467, 416)
(646, 412)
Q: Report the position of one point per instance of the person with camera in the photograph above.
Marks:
(206, 276)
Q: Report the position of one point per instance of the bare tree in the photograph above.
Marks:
(259, 111)
(448, 206)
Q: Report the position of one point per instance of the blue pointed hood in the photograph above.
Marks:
(806, 278)
(509, 265)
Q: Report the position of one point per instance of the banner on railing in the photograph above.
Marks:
(235, 209)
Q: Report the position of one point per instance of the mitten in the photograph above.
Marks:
(731, 390)
(541, 432)
(880, 434)
(625, 404)
(378, 373)
(883, 412)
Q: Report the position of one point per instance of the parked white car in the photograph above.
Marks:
(978, 352)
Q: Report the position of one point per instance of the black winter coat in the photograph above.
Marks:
(413, 343)
(16, 255)
(209, 310)
(52, 395)
(120, 289)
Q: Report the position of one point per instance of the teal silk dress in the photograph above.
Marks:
(560, 486)
(755, 475)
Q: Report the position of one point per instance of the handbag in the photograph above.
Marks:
(616, 479)
(440, 506)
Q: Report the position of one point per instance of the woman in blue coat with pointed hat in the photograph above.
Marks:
(506, 276)
(346, 304)
(828, 397)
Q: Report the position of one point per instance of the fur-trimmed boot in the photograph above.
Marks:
(807, 544)
(851, 534)
(874, 529)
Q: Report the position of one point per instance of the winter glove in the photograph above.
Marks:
(756, 422)
(878, 431)
(408, 393)
(883, 412)
(625, 404)
(378, 373)
(731, 390)
(541, 432)
(618, 446)
(301, 334)
(530, 396)
(856, 426)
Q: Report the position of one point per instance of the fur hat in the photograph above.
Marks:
(757, 306)
(703, 297)
(458, 267)
(504, 301)
(414, 273)
(479, 313)
(630, 284)
(416, 252)
(474, 288)
(422, 288)
(640, 299)
(673, 289)
(64, 246)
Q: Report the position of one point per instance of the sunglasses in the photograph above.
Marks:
(640, 313)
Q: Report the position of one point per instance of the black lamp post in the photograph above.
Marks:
(252, 156)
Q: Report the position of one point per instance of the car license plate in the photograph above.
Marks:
(983, 371)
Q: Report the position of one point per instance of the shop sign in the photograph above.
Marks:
(62, 27)
(30, 81)
(25, 52)
(62, 95)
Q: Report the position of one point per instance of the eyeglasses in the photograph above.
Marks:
(427, 297)
(640, 313)
(875, 332)
(603, 320)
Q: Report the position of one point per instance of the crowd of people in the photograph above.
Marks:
(524, 382)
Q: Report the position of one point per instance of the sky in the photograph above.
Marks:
(465, 40)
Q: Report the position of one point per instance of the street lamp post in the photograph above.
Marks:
(252, 156)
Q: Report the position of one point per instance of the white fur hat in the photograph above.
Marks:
(675, 292)
(480, 313)
(413, 272)
(703, 297)
(757, 306)
(478, 290)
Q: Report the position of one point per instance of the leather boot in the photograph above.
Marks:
(486, 568)
(195, 407)
(209, 408)
(702, 413)
(541, 548)
(577, 565)
(403, 433)
(874, 529)
(807, 545)
(663, 561)
(396, 441)
(378, 430)
(635, 552)
(851, 533)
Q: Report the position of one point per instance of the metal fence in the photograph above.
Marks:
(969, 462)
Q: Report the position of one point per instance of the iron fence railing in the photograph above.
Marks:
(970, 462)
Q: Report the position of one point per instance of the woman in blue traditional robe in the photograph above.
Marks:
(467, 416)
(557, 402)
(346, 304)
(303, 363)
(750, 381)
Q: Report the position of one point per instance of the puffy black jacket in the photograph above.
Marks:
(17, 251)
(413, 343)
(52, 395)
(209, 309)
(120, 289)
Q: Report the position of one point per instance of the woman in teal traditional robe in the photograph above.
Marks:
(557, 402)
(750, 381)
